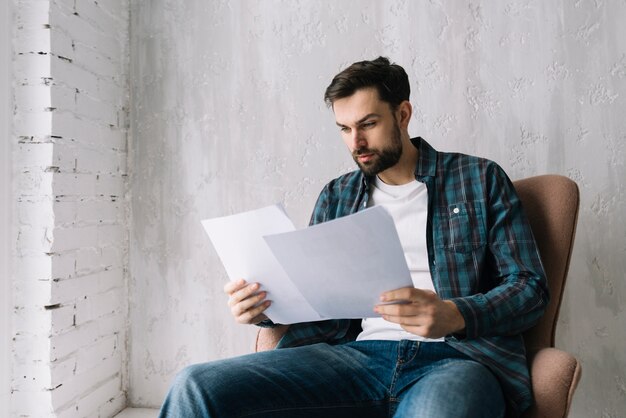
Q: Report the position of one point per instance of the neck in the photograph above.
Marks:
(404, 171)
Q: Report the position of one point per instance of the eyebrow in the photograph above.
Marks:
(360, 121)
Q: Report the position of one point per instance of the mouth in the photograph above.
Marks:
(364, 155)
(364, 158)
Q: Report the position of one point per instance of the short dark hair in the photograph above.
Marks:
(390, 80)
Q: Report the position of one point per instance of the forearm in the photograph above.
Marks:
(505, 310)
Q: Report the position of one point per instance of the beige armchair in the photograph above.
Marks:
(551, 204)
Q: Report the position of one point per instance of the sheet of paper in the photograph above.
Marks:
(238, 240)
(342, 266)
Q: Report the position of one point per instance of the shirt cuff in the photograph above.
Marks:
(475, 312)
(267, 323)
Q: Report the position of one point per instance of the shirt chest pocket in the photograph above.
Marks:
(460, 227)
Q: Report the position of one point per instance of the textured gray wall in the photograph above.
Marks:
(228, 115)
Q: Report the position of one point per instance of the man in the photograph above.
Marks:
(455, 350)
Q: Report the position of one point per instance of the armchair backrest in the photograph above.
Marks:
(551, 204)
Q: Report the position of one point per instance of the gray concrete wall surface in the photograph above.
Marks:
(227, 115)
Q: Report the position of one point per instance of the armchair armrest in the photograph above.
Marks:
(554, 375)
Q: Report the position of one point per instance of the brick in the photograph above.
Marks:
(34, 294)
(65, 156)
(71, 75)
(101, 211)
(35, 155)
(69, 290)
(82, 32)
(88, 260)
(32, 67)
(69, 411)
(34, 240)
(73, 130)
(63, 98)
(31, 348)
(36, 125)
(69, 342)
(111, 235)
(33, 98)
(73, 238)
(98, 64)
(91, 11)
(63, 318)
(92, 260)
(37, 213)
(33, 318)
(73, 184)
(93, 307)
(113, 406)
(81, 384)
(33, 403)
(95, 109)
(91, 402)
(31, 376)
(110, 185)
(111, 90)
(65, 291)
(35, 183)
(63, 266)
(62, 45)
(65, 213)
(62, 370)
(116, 8)
(94, 354)
(32, 13)
(113, 325)
(32, 39)
(33, 267)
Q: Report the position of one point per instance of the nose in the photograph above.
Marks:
(358, 139)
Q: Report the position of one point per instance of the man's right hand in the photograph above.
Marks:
(246, 303)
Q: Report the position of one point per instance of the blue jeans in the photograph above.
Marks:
(358, 379)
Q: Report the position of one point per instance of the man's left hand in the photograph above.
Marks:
(420, 312)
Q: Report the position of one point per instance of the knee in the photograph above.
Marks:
(187, 395)
(190, 375)
(194, 380)
(476, 375)
(480, 392)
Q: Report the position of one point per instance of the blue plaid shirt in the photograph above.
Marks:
(482, 256)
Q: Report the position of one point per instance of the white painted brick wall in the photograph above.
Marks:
(70, 291)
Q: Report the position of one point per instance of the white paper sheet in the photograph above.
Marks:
(342, 266)
(333, 270)
(239, 244)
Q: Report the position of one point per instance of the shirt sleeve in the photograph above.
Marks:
(521, 295)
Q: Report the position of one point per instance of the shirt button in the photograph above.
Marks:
(455, 210)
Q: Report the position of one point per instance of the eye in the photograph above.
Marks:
(345, 129)
(367, 125)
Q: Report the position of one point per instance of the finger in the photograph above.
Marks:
(404, 293)
(248, 303)
(248, 316)
(407, 293)
(233, 286)
(398, 309)
(243, 293)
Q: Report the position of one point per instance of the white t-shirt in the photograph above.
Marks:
(408, 206)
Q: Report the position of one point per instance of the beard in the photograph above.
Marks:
(382, 159)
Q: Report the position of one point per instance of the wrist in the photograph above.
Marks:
(457, 322)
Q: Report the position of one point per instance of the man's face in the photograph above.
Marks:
(369, 130)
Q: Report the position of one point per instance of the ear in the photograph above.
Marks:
(403, 114)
